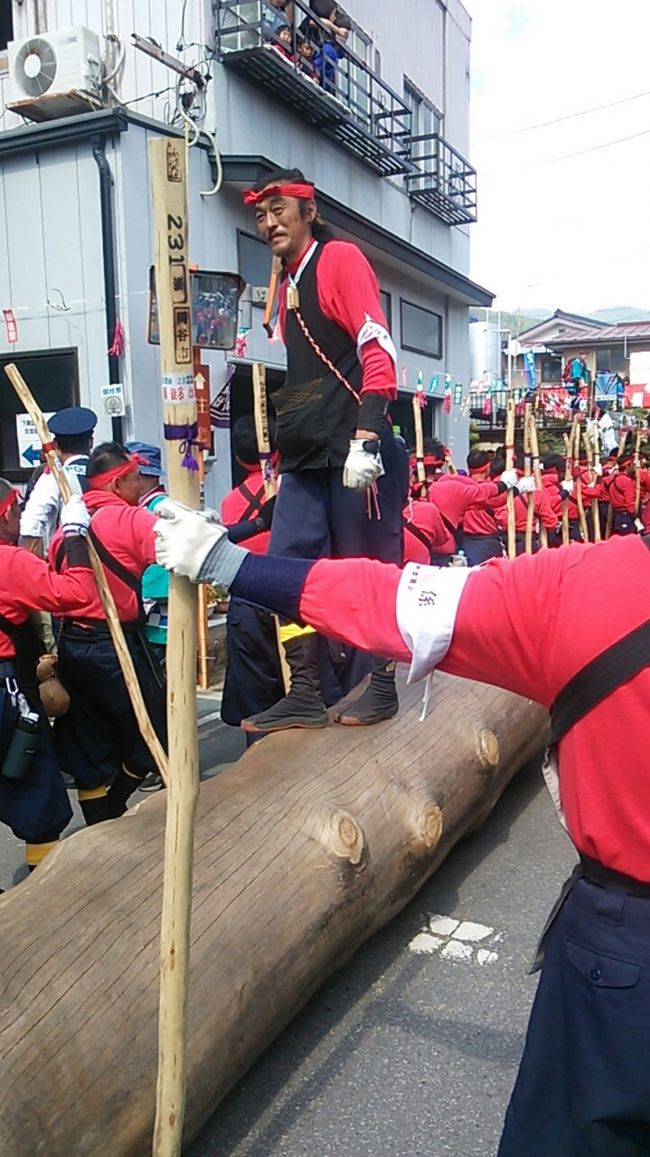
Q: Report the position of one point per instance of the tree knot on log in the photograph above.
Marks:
(487, 749)
(431, 825)
(343, 837)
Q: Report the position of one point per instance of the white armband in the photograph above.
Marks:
(375, 331)
(427, 602)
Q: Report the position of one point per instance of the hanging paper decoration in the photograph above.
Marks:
(117, 347)
(419, 391)
(446, 400)
(403, 377)
(433, 384)
(458, 394)
(11, 325)
(220, 408)
(241, 344)
(487, 404)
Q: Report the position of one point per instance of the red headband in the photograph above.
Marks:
(98, 481)
(289, 190)
(8, 501)
(479, 469)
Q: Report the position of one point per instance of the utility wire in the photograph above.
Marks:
(568, 117)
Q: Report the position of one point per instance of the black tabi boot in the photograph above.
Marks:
(379, 700)
(303, 706)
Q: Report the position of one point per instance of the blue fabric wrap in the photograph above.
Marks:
(274, 583)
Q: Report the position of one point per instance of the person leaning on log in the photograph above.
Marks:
(543, 511)
(341, 469)
(620, 488)
(33, 799)
(98, 741)
(532, 626)
(454, 494)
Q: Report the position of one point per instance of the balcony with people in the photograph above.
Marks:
(299, 51)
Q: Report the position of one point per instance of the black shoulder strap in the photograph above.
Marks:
(130, 580)
(455, 531)
(255, 502)
(599, 678)
(418, 533)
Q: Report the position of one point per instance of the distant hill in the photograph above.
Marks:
(621, 313)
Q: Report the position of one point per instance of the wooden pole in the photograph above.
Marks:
(530, 509)
(537, 473)
(261, 414)
(569, 440)
(419, 444)
(637, 473)
(203, 417)
(591, 447)
(510, 458)
(106, 597)
(581, 506)
(276, 269)
(168, 167)
(609, 524)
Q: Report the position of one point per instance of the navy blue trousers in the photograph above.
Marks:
(316, 516)
(480, 547)
(583, 1087)
(36, 808)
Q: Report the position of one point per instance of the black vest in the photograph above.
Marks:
(316, 414)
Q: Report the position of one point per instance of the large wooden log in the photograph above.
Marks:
(304, 848)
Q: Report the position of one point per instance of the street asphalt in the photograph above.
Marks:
(412, 1048)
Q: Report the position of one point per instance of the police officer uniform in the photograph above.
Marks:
(40, 516)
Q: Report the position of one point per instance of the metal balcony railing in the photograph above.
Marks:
(318, 77)
(444, 181)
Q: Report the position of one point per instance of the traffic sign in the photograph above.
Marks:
(29, 446)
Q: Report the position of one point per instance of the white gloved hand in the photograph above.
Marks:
(567, 485)
(526, 485)
(510, 478)
(598, 469)
(363, 465)
(639, 525)
(185, 537)
(75, 516)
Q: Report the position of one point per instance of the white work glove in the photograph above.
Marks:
(185, 537)
(75, 516)
(510, 478)
(639, 525)
(363, 465)
(567, 486)
(598, 469)
(526, 485)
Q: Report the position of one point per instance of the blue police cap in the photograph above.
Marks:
(153, 469)
(72, 421)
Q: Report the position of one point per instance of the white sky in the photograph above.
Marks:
(572, 233)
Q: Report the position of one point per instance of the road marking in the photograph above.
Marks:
(462, 941)
(210, 718)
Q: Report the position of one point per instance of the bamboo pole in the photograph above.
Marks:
(168, 167)
(261, 415)
(530, 508)
(609, 524)
(419, 444)
(637, 473)
(581, 506)
(106, 597)
(591, 448)
(537, 473)
(510, 458)
(203, 412)
(569, 440)
(276, 269)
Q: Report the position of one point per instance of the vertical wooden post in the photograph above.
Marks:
(530, 509)
(591, 447)
(534, 448)
(581, 506)
(419, 445)
(510, 458)
(637, 473)
(261, 414)
(569, 442)
(168, 166)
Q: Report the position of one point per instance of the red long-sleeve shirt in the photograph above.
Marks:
(541, 506)
(453, 494)
(127, 534)
(348, 294)
(529, 626)
(426, 517)
(621, 492)
(28, 584)
(234, 508)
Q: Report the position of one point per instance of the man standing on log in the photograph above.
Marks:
(584, 1081)
(342, 481)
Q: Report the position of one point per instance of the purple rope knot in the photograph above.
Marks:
(186, 435)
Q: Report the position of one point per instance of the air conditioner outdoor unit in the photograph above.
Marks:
(55, 73)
